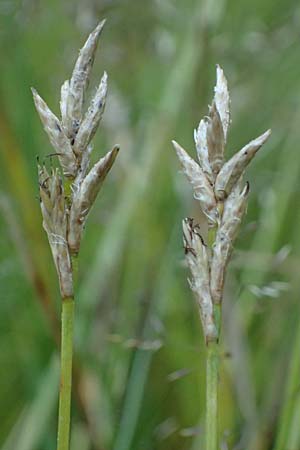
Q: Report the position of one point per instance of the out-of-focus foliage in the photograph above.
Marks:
(139, 378)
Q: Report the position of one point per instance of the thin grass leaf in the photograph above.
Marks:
(36, 418)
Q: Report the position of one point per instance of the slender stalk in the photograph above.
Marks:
(63, 436)
(212, 374)
(67, 325)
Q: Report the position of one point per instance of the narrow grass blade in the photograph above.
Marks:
(29, 432)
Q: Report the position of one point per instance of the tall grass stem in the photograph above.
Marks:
(64, 414)
(212, 375)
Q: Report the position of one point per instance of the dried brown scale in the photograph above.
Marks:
(79, 82)
(65, 210)
(54, 214)
(197, 259)
(219, 188)
(91, 119)
(234, 210)
(202, 151)
(84, 167)
(234, 168)
(222, 100)
(56, 136)
(215, 140)
(85, 196)
(203, 190)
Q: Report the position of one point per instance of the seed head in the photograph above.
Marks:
(218, 187)
(64, 213)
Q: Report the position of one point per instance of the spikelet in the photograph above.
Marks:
(234, 168)
(56, 135)
(234, 210)
(215, 140)
(200, 138)
(197, 260)
(84, 198)
(222, 100)
(203, 190)
(52, 200)
(74, 100)
(92, 118)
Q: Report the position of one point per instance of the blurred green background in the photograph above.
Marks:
(139, 377)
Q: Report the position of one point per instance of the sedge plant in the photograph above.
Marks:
(222, 194)
(67, 195)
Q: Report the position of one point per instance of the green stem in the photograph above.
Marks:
(63, 436)
(212, 371)
(212, 231)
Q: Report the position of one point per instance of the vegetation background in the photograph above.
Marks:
(139, 381)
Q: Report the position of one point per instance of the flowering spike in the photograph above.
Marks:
(57, 137)
(197, 259)
(234, 168)
(55, 224)
(80, 80)
(203, 191)
(92, 118)
(234, 210)
(71, 140)
(84, 198)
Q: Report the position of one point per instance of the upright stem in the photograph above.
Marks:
(212, 372)
(64, 414)
(66, 358)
